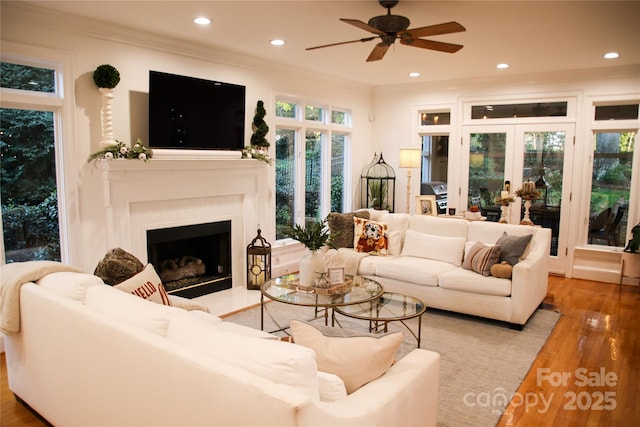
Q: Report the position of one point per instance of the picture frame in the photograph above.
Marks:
(335, 275)
(426, 205)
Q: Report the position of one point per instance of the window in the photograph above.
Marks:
(311, 162)
(28, 171)
(611, 187)
(531, 109)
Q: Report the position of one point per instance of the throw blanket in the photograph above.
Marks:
(12, 276)
(349, 259)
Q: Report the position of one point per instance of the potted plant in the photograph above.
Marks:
(106, 77)
(314, 235)
(631, 254)
(260, 128)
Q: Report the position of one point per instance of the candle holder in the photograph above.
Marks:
(504, 205)
(525, 219)
(528, 193)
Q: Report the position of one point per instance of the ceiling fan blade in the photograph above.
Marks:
(363, 26)
(378, 52)
(432, 30)
(433, 45)
(366, 39)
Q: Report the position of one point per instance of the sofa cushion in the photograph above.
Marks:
(415, 270)
(463, 280)
(146, 285)
(278, 361)
(70, 284)
(341, 227)
(331, 387)
(434, 247)
(356, 359)
(513, 247)
(480, 257)
(131, 309)
(450, 227)
(370, 236)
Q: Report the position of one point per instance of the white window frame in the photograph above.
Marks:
(598, 126)
(301, 125)
(61, 104)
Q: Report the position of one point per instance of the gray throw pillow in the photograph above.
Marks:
(512, 247)
(341, 227)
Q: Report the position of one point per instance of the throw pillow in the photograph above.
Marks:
(117, 266)
(341, 227)
(431, 246)
(484, 259)
(481, 257)
(370, 236)
(502, 270)
(357, 360)
(512, 247)
(146, 285)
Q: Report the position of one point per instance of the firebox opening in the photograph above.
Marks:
(192, 260)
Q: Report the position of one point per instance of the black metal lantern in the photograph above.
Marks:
(378, 185)
(258, 262)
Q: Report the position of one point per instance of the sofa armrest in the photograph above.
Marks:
(406, 395)
(530, 278)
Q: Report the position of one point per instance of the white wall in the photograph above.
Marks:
(89, 44)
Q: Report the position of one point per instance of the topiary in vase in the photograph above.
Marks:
(259, 126)
(106, 76)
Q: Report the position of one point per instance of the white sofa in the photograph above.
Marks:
(89, 354)
(446, 285)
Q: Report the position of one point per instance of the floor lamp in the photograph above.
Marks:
(410, 158)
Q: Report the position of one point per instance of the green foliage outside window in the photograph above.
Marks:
(28, 170)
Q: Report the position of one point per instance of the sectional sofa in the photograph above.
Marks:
(425, 258)
(86, 353)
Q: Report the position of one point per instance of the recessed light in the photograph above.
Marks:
(502, 66)
(611, 55)
(202, 20)
(277, 42)
(414, 74)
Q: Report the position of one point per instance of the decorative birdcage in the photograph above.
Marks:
(378, 185)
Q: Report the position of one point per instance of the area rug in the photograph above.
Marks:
(482, 362)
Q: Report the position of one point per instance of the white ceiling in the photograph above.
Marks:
(531, 36)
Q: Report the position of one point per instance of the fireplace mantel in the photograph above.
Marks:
(138, 196)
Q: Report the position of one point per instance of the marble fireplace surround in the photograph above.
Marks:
(166, 193)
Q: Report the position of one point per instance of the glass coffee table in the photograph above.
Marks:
(389, 307)
(287, 289)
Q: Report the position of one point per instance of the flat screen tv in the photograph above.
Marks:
(195, 114)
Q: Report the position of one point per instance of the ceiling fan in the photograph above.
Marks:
(390, 27)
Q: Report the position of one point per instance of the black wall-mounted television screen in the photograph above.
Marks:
(195, 114)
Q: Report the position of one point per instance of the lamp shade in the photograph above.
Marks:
(410, 157)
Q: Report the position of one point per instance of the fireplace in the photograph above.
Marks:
(192, 260)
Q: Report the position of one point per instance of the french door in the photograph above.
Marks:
(540, 153)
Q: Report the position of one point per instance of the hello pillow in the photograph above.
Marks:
(431, 246)
(146, 285)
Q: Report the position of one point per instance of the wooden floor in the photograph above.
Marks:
(587, 374)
